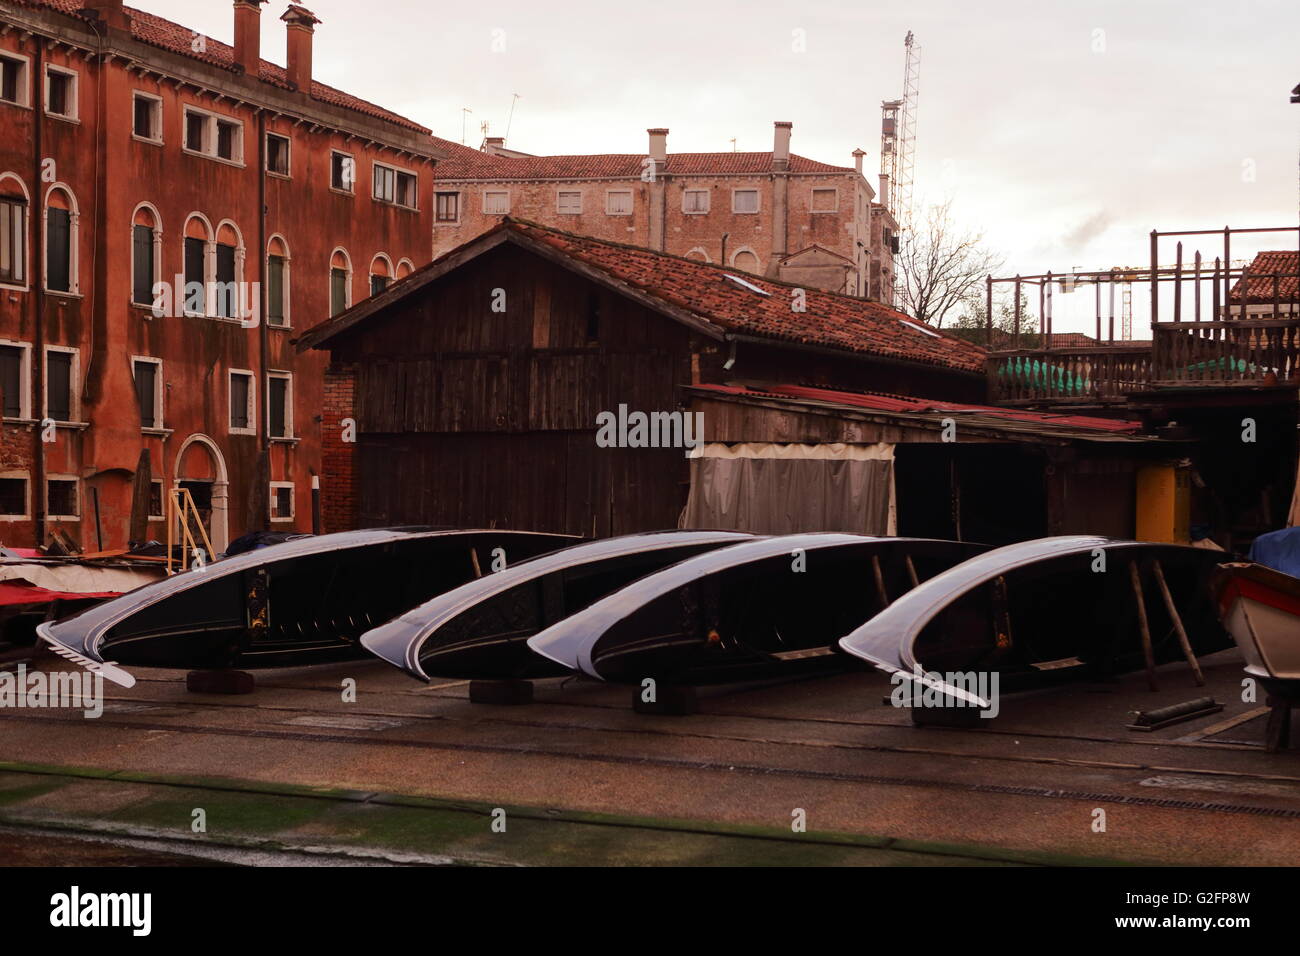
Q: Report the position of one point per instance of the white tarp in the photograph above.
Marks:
(770, 488)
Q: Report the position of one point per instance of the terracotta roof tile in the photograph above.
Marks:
(164, 34)
(831, 320)
(1284, 264)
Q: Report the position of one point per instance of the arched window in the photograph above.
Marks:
(698, 254)
(13, 231)
(745, 260)
(404, 268)
(60, 240)
(277, 283)
(199, 251)
(340, 282)
(229, 299)
(146, 253)
(381, 274)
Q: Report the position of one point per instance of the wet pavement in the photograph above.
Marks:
(1057, 776)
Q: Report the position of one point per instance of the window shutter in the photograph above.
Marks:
(142, 264)
(58, 250)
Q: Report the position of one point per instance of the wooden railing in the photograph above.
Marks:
(1226, 352)
(1099, 373)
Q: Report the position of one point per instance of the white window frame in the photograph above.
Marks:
(345, 190)
(24, 100)
(347, 283)
(559, 205)
(812, 200)
(758, 201)
(74, 94)
(496, 192)
(288, 161)
(209, 150)
(708, 202)
(460, 205)
(631, 201)
(24, 379)
(397, 172)
(288, 405)
(76, 483)
(156, 245)
(74, 380)
(284, 283)
(25, 285)
(270, 504)
(74, 241)
(158, 392)
(157, 117)
(27, 494)
(252, 401)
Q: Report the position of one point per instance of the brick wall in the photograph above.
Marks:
(338, 483)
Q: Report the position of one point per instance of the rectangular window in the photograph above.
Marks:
(12, 362)
(142, 264)
(279, 405)
(228, 146)
(275, 291)
(13, 497)
(148, 391)
(13, 80)
(147, 120)
(825, 200)
(568, 202)
(156, 499)
(744, 200)
(378, 284)
(61, 498)
(338, 291)
(496, 203)
(241, 403)
(618, 202)
(60, 93)
(58, 250)
(13, 240)
(343, 172)
(281, 501)
(214, 136)
(447, 207)
(406, 190)
(196, 127)
(695, 201)
(385, 183)
(277, 154)
(58, 385)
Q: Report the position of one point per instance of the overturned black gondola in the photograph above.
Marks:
(305, 601)
(480, 629)
(1051, 608)
(763, 608)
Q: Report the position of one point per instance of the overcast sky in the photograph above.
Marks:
(1065, 131)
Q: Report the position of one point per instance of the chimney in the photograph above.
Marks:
(109, 12)
(659, 147)
(857, 160)
(494, 145)
(884, 190)
(301, 22)
(781, 146)
(248, 35)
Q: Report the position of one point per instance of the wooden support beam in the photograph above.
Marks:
(1148, 653)
(911, 570)
(1178, 624)
(880, 580)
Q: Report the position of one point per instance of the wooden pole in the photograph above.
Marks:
(911, 570)
(880, 580)
(1147, 652)
(1178, 624)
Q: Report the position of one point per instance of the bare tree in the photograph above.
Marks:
(940, 266)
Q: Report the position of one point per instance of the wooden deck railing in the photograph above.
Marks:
(1226, 352)
(1080, 375)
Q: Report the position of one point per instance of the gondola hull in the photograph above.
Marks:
(302, 602)
(1048, 608)
(480, 629)
(1260, 607)
(771, 607)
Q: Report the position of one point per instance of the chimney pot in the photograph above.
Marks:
(781, 145)
(248, 35)
(110, 12)
(300, 24)
(857, 160)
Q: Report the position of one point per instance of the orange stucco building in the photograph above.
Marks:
(139, 162)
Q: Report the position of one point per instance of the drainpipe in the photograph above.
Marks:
(36, 253)
(725, 237)
(263, 337)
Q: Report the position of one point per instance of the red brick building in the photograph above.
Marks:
(133, 153)
(773, 213)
